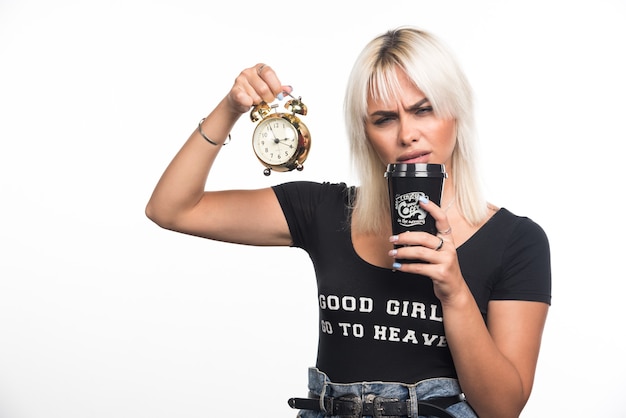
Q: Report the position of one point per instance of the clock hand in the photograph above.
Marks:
(273, 134)
(288, 138)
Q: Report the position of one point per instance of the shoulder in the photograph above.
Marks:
(305, 184)
(525, 272)
(310, 197)
(510, 237)
(519, 227)
(308, 205)
(525, 246)
(312, 190)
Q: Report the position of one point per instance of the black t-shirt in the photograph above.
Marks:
(381, 325)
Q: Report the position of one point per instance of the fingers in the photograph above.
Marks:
(426, 247)
(257, 84)
(419, 246)
(434, 256)
(447, 231)
(266, 83)
(270, 79)
(439, 215)
(438, 247)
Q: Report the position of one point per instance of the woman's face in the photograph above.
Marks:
(406, 130)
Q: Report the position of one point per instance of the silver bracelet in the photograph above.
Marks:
(207, 138)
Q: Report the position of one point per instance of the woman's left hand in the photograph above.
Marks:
(435, 254)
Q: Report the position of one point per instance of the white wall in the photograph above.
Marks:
(103, 314)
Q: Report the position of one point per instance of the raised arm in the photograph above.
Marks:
(179, 201)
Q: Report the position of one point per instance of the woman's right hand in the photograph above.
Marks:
(255, 85)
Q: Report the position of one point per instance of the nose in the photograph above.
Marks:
(408, 132)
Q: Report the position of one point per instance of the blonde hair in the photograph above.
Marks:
(435, 71)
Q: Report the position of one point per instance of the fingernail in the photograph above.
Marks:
(423, 199)
(393, 253)
(393, 238)
(284, 93)
(396, 265)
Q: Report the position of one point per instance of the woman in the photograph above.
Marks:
(460, 332)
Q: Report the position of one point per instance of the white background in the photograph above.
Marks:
(103, 314)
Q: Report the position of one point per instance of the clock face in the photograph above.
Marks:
(275, 141)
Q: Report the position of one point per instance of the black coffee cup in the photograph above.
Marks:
(407, 183)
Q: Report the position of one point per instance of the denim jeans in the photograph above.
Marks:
(320, 385)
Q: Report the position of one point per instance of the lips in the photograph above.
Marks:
(415, 157)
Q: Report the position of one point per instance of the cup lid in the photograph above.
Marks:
(416, 170)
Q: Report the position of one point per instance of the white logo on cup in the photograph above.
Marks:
(408, 209)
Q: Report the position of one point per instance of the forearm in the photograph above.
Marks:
(182, 184)
(491, 383)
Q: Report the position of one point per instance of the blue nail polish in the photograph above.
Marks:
(393, 238)
(423, 199)
(280, 96)
(396, 265)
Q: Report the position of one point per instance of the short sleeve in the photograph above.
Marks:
(302, 203)
(526, 271)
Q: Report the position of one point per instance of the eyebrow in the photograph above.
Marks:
(412, 108)
(419, 104)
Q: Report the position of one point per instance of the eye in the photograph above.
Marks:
(423, 110)
(382, 119)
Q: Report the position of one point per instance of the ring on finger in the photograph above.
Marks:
(440, 244)
(446, 232)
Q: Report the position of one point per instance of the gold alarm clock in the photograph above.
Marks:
(280, 141)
